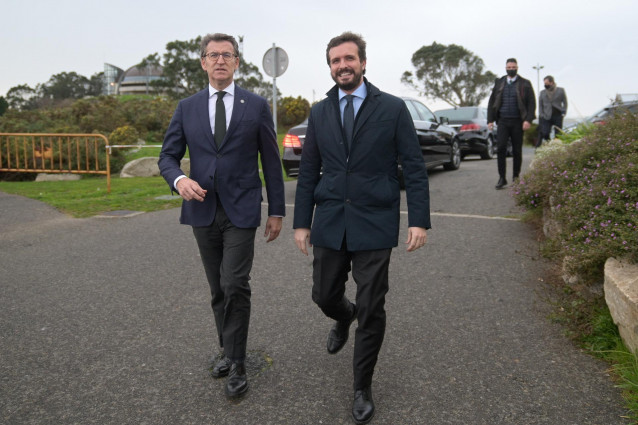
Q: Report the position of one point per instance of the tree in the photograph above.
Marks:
(4, 105)
(96, 84)
(21, 97)
(65, 85)
(182, 73)
(147, 65)
(450, 73)
(292, 111)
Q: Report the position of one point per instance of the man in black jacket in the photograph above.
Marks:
(512, 105)
(348, 194)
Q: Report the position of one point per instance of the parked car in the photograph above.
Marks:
(473, 134)
(606, 113)
(439, 145)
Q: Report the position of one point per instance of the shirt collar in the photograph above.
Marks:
(230, 90)
(512, 79)
(361, 91)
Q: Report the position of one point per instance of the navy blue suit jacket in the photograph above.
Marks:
(357, 192)
(235, 164)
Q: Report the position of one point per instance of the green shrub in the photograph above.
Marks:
(591, 187)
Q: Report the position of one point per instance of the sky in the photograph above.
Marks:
(591, 48)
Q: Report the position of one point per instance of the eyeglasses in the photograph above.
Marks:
(214, 56)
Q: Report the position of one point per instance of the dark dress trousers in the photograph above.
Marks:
(350, 199)
(224, 223)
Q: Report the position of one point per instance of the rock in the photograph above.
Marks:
(56, 177)
(621, 295)
(147, 167)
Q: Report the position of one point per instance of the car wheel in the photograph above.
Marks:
(490, 149)
(455, 158)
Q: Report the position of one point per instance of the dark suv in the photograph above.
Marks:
(439, 145)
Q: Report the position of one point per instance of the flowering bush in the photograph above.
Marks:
(591, 188)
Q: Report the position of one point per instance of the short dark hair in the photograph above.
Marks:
(550, 78)
(344, 38)
(511, 60)
(217, 37)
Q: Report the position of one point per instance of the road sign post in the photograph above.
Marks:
(275, 63)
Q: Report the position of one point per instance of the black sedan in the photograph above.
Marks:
(439, 145)
(474, 136)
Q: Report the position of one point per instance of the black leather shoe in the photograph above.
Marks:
(363, 406)
(221, 368)
(338, 335)
(237, 383)
(501, 183)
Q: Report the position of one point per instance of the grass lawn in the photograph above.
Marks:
(88, 197)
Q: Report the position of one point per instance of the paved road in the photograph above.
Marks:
(107, 321)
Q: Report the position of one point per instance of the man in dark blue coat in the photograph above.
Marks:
(348, 178)
(225, 129)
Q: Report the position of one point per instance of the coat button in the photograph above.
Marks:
(347, 201)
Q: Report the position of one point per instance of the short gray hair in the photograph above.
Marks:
(217, 37)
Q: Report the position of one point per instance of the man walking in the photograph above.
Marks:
(513, 106)
(552, 107)
(225, 129)
(348, 178)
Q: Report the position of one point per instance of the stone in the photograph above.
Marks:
(621, 295)
(56, 177)
(147, 167)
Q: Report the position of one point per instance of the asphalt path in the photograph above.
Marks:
(108, 321)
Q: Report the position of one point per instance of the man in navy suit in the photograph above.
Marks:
(225, 129)
(349, 178)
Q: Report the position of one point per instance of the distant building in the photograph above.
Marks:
(112, 75)
(135, 80)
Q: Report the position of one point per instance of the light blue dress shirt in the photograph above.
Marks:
(359, 95)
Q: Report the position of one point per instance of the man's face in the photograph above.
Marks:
(220, 73)
(345, 67)
(546, 82)
(511, 66)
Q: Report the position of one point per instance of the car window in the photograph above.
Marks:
(461, 114)
(424, 112)
(413, 111)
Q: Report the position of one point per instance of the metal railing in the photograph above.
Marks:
(56, 153)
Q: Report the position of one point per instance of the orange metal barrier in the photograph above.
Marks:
(55, 153)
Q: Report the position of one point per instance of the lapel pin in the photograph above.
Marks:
(242, 101)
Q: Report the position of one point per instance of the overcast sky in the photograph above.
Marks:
(591, 48)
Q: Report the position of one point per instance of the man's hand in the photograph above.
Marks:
(490, 125)
(417, 237)
(189, 189)
(526, 125)
(302, 236)
(273, 227)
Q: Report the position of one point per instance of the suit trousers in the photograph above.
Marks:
(227, 254)
(509, 128)
(370, 273)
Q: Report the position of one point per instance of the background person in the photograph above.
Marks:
(356, 204)
(552, 107)
(512, 106)
(225, 129)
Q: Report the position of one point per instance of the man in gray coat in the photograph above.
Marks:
(552, 105)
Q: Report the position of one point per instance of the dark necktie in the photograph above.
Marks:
(348, 119)
(220, 118)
